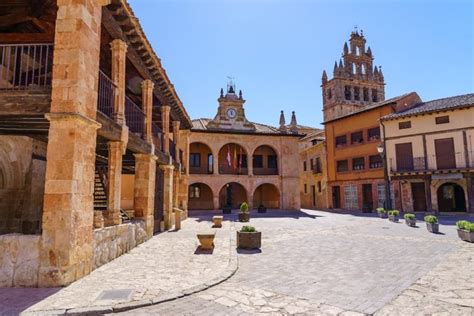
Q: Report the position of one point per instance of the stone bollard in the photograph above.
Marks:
(177, 218)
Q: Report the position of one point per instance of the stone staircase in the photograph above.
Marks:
(100, 190)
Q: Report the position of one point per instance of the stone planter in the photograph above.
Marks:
(217, 221)
(262, 209)
(410, 222)
(393, 218)
(465, 235)
(206, 240)
(382, 215)
(244, 216)
(432, 228)
(226, 210)
(249, 240)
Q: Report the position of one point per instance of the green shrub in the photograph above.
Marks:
(394, 213)
(462, 224)
(431, 219)
(244, 207)
(470, 227)
(248, 229)
(381, 210)
(409, 216)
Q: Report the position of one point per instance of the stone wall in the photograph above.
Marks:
(19, 260)
(113, 241)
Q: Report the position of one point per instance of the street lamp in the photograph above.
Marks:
(381, 151)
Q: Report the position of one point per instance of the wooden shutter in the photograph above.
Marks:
(445, 158)
(404, 154)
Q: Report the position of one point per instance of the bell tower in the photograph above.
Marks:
(356, 82)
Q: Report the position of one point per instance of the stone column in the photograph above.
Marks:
(144, 190)
(165, 119)
(167, 195)
(176, 125)
(428, 195)
(215, 162)
(119, 57)
(215, 201)
(250, 165)
(114, 189)
(470, 192)
(147, 97)
(66, 250)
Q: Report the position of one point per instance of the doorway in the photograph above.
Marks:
(336, 196)
(419, 196)
(367, 199)
(451, 198)
(313, 195)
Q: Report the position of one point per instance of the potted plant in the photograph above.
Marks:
(227, 209)
(244, 215)
(465, 230)
(262, 208)
(410, 219)
(432, 223)
(382, 212)
(393, 216)
(249, 238)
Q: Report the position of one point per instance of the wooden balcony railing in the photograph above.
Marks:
(106, 95)
(134, 116)
(25, 66)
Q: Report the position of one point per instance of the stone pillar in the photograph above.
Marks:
(470, 192)
(176, 125)
(119, 57)
(144, 190)
(215, 162)
(250, 165)
(66, 250)
(165, 119)
(114, 189)
(147, 97)
(167, 194)
(428, 195)
(215, 202)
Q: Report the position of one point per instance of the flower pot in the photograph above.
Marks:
(432, 228)
(465, 235)
(382, 215)
(206, 240)
(244, 217)
(249, 240)
(393, 218)
(262, 209)
(410, 222)
(226, 210)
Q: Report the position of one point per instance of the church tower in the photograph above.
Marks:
(356, 83)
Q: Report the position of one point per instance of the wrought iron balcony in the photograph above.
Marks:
(459, 160)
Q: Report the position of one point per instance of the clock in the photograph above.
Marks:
(231, 113)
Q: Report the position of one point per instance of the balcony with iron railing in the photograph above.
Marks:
(25, 66)
(106, 95)
(157, 134)
(172, 149)
(456, 161)
(135, 117)
(265, 171)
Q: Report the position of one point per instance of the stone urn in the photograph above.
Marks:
(206, 240)
(249, 240)
(432, 227)
(244, 216)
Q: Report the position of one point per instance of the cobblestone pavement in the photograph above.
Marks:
(337, 264)
(160, 268)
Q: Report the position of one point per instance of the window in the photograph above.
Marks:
(381, 194)
(404, 125)
(272, 161)
(362, 69)
(354, 68)
(350, 197)
(195, 191)
(304, 166)
(243, 162)
(341, 141)
(373, 133)
(311, 164)
(258, 161)
(442, 119)
(374, 95)
(358, 163)
(357, 138)
(305, 188)
(356, 93)
(319, 187)
(317, 167)
(347, 92)
(210, 163)
(375, 162)
(342, 166)
(366, 94)
(194, 160)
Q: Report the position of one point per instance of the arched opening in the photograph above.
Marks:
(200, 197)
(266, 195)
(354, 68)
(362, 69)
(232, 194)
(200, 159)
(357, 50)
(232, 159)
(451, 198)
(265, 161)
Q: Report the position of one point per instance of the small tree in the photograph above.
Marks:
(244, 207)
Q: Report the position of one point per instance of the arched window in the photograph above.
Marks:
(195, 191)
(354, 68)
(357, 51)
(362, 69)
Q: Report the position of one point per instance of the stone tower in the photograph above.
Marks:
(356, 83)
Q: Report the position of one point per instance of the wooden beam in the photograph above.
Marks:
(23, 102)
(19, 38)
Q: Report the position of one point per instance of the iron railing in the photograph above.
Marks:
(157, 134)
(25, 66)
(134, 116)
(226, 169)
(459, 160)
(106, 95)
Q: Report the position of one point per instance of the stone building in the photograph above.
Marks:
(232, 160)
(92, 139)
(356, 82)
(313, 171)
(430, 153)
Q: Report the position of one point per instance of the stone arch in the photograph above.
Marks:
(237, 165)
(201, 158)
(268, 195)
(265, 160)
(200, 196)
(451, 197)
(232, 193)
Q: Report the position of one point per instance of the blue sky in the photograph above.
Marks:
(277, 49)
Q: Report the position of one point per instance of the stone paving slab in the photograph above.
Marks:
(166, 267)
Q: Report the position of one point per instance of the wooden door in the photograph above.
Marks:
(336, 197)
(158, 206)
(404, 155)
(445, 157)
(313, 194)
(419, 197)
(367, 200)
